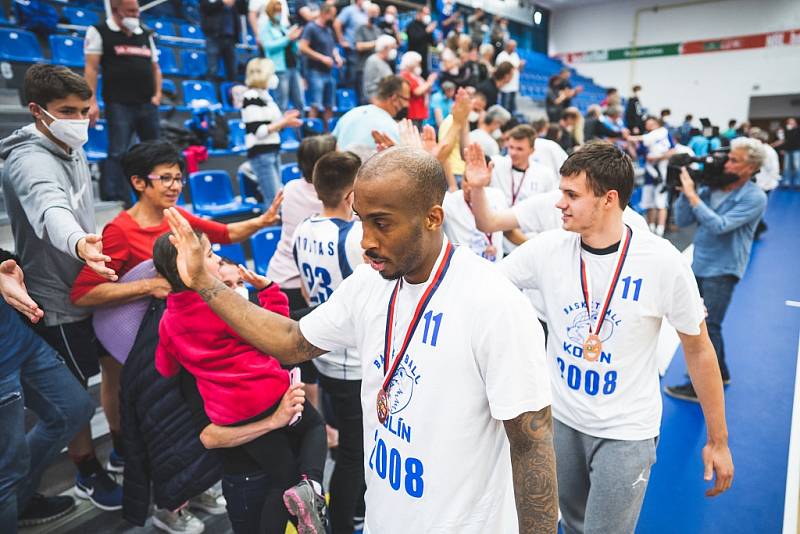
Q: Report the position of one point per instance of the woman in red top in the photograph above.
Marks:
(240, 385)
(154, 171)
(411, 70)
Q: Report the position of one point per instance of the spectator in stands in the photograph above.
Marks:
(263, 122)
(611, 99)
(33, 377)
(154, 171)
(769, 175)
(487, 53)
(453, 133)
(366, 37)
(307, 11)
(655, 195)
(477, 26)
(559, 96)
(317, 43)
(411, 71)
(451, 69)
(685, 130)
(127, 55)
(478, 72)
(376, 67)
(789, 144)
(665, 119)
(731, 132)
(257, 15)
(240, 385)
(300, 201)
(727, 214)
(488, 131)
(48, 192)
(604, 125)
(499, 35)
(389, 105)
(388, 23)
(508, 92)
(491, 87)
(352, 17)
(441, 102)
(279, 42)
(570, 127)
(420, 35)
(221, 26)
(634, 112)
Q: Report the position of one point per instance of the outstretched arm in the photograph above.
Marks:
(478, 175)
(268, 332)
(533, 462)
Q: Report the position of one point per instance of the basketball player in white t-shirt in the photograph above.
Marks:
(519, 175)
(326, 249)
(606, 288)
(455, 397)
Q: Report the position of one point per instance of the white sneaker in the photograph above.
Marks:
(210, 501)
(180, 522)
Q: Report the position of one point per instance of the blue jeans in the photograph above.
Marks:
(43, 384)
(223, 46)
(717, 292)
(508, 101)
(290, 89)
(245, 495)
(267, 167)
(124, 120)
(321, 89)
(791, 168)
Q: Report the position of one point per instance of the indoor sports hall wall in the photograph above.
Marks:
(717, 84)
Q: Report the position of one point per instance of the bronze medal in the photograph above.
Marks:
(592, 348)
(382, 403)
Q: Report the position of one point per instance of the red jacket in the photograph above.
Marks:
(236, 381)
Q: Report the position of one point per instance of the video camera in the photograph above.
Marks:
(710, 171)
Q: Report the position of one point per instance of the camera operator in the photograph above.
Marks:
(726, 210)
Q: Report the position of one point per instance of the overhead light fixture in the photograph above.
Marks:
(537, 17)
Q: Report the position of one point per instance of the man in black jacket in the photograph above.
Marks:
(420, 36)
(220, 23)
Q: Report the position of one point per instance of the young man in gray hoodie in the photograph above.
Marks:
(48, 193)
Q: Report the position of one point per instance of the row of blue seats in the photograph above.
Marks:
(263, 245)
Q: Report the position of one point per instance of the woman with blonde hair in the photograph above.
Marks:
(411, 70)
(263, 122)
(279, 41)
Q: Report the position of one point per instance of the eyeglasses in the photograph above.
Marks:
(167, 181)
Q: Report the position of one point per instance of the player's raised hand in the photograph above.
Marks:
(477, 172)
(382, 140)
(461, 105)
(409, 135)
(272, 215)
(429, 143)
(190, 260)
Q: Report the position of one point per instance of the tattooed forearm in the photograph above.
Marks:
(209, 293)
(303, 349)
(533, 463)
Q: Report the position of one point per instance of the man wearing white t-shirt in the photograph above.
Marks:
(508, 92)
(518, 175)
(327, 248)
(488, 130)
(655, 194)
(459, 223)
(452, 370)
(606, 288)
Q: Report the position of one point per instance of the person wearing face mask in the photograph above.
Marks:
(48, 195)
(411, 70)
(389, 105)
(491, 87)
(279, 42)
(318, 45)
(420, 35)
(388, 22)
(634, 113)
(127, 56)
(508, 92)
(488, 131)
(377, 66)
(365, 40)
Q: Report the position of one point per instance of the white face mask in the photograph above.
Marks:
(418, 70)
(242, 290)
(426, 19)
(453, 71)
(388, 18)
(131, 23)
(72, 132)
(392, 54)
(273, 82)
(473, 116)
(497, 134)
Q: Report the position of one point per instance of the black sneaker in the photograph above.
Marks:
(684, 392)
(41, 509)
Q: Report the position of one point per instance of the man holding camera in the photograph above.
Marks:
(727, 211)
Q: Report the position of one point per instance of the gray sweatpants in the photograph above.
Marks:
(601, 482)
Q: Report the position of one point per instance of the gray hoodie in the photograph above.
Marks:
(50, 202)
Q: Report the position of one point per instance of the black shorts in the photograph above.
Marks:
(77, 344)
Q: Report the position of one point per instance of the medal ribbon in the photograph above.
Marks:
(421, 305)
(515, 193)
(488, 236)
(585, 282)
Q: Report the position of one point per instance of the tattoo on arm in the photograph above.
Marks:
(304, 350)
(209, 293)
(534, 468)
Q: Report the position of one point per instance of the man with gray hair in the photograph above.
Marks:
(727, 212)
(376, 67)
(488, 131)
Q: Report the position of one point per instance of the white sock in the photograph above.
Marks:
(652, 227)
(660, 230)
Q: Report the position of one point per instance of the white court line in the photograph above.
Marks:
(792, 495)
(793, 303)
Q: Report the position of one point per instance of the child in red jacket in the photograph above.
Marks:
(240, 385)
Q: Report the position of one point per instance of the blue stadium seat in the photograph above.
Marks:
(289, 141)
(315, 126)
(345, 100)
(194, 63)
(212, 195)
(191, 31)
(96, 147)
(263, 244)
(67, 51)
(289, 172)
(198, 90)
(80, 16)
(20, 45)
(332, 123)
(237, 135)
(225, 94)
(167, 61)
(247, 188)
(163, 28)
(233, 252)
